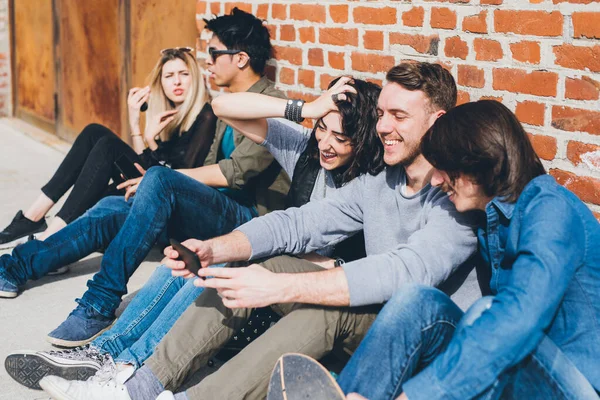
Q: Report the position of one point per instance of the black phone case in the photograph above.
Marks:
(127, 168)
(191, 260)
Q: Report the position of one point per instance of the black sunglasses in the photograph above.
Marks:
(177, 50)
(214, 53)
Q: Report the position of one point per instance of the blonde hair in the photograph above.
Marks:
(192, 105)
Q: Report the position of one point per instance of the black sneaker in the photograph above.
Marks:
(19, 230)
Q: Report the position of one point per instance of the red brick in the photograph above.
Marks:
(499, 99)
(585, 187)
(325, 79)
(262, 11)
(586, 24)
(293, 94)
(475, 23)
(287, 33)
(491, 2)
(371, 62)
(539, 83)
(582, 89)
(456, 47)
(306, 77)
(576, 119)
(307, 34)
(307, 12)
(470, 76)
(242, 6)
(338, 36)
(336, 60)
(200, 7)
(487, 50)
(377, 82)
(413, 17)
(315, 57)
(530, 112)
(373, 40)
(597, 215)
(529, 22)
(591, 152)
(287, 76)
(420, 43)
(375, 16)
(463, 97)
(544, 146)
(339, 13)
(574, 1)
(291, 54)
(528, 52)
(272, 31)
(578, 57)
(279, 11)
(443, 18)
(215, 8)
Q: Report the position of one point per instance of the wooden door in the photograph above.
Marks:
(156, 25)
(34, 63)
(90, 71)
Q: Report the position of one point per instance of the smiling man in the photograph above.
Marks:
(412, 234)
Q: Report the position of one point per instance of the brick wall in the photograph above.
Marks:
(541, 58)
(5, 76)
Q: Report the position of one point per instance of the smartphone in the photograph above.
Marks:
(144, 107)
(191, 260)
(127, 168)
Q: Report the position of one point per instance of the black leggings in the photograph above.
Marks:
(88, 167)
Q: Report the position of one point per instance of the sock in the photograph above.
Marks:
(144, 385)
(181, 396)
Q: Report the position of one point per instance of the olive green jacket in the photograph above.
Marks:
(251, 166)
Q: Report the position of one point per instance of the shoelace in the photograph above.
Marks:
(107, 373)
(83, 353)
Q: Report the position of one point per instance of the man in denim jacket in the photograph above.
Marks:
(539, 336)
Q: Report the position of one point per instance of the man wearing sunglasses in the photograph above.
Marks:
(239, 180)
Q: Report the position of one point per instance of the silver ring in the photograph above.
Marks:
(335, 98)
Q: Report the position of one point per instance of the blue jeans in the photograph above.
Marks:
(166, 201)
(417, 324)
(148, 317)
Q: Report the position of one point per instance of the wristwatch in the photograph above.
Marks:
(338, 262)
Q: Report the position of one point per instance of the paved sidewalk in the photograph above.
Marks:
(25, 166)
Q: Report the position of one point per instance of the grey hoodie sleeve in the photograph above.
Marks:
(428, 257)
(311, 227)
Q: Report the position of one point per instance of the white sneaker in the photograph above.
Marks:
(166, 395)
(110, 371)
(62, 389)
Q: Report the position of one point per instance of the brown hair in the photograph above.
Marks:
(485, 141)
(432, 79)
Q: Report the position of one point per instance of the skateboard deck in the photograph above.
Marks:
(297, 376)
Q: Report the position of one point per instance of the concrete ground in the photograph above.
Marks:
(26, 163)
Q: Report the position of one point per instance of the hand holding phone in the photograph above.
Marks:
(127, 168)
(191, 260)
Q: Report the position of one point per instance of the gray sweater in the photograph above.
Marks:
(419, 238)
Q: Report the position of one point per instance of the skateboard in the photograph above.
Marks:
(297, 376)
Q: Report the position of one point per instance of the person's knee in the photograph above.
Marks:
(156, 179)
(411, 299)
(94, 131)
(476, 310)
(110, 204)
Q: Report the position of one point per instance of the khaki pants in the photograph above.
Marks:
(207, 325)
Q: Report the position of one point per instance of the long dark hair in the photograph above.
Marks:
(359, 121)
(485, 141)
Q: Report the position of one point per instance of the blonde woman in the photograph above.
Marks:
(179, 131)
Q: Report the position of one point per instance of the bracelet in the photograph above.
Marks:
(293, 110)
(138, 135)
(338, 262)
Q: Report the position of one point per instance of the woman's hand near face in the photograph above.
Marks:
(135, 99)
(131, 185)
(324, 104)
(156, 125)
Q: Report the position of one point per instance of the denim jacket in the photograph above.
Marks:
(544, 255)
